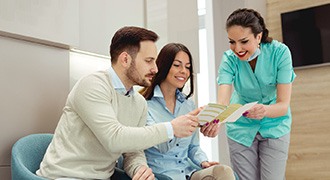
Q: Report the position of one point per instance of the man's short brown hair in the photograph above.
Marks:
(128, 39)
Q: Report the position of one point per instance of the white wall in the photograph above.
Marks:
(84, 64)
(85, 25)
(175, 21)
(54, 21)
(99, 20)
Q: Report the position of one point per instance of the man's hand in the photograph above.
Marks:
(206, 164)
(184, 126)
(196, 111)
(144, 173)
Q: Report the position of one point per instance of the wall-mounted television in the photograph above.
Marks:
(307, 33)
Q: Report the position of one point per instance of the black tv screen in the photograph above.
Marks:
(307, 33)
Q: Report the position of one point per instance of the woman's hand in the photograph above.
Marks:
(211, 129)
(280, 108)
(258, 111)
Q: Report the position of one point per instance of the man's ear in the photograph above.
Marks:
(124, 59)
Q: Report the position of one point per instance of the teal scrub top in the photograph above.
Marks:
(274, 66)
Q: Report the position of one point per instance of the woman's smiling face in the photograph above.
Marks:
(242, 41)
(180, 71)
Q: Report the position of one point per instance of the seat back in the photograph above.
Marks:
(27, 154)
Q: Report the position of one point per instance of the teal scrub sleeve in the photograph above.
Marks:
(285, 73)
(226, 71)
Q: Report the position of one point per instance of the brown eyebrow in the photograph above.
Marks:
(180, 61)
(243, 39)
(150, 58)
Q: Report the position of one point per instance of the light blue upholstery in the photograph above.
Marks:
(27, 153)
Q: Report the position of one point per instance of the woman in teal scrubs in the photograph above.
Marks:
(256, 68)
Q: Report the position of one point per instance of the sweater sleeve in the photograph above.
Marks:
(91, 100)
(132, 161)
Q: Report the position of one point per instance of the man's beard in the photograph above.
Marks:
(134, 75)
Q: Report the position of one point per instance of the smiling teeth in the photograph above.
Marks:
(180, 78)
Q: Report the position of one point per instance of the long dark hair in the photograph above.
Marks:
(249, 18)
(164, 63)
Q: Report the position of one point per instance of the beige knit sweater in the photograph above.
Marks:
(96, 127)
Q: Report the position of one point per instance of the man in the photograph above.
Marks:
(104, 118)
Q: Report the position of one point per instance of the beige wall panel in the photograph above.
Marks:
(309, 154)
(34, 86)
(5, 173)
